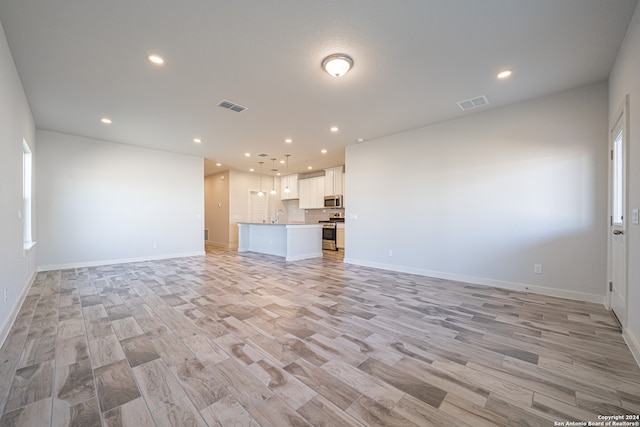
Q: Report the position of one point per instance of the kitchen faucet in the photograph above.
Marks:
(278, 215)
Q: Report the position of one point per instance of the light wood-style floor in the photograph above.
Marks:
(250, 340)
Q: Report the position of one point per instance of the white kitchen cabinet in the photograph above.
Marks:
(292, 182)
(340, 235)
(334, 181)
(311, 193)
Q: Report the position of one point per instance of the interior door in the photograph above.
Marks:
(257, 207)
(618, 221)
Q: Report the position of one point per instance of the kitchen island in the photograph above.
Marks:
(291, 241)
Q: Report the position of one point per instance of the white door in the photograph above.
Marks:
(257, 207)
(618, 218)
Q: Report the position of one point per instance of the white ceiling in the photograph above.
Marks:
(414, 60)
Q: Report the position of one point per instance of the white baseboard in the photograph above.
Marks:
(304, 256)
(560, 293)
(633, 345)
(116, 261)
(8, 324)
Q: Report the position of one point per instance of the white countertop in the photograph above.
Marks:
(294, 224)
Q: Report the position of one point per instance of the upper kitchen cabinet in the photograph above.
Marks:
(334, 181)
(290, 181)
(311, 192)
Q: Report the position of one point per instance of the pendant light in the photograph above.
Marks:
(260, 193)
(287, 189)
(273, 178)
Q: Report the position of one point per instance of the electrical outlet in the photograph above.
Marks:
(537, 268)
(634, 216)
(390, 252)
(155, 246)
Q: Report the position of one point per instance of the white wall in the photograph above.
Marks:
(17, 268)
(625, 79)
(101, 202)
(484, 198)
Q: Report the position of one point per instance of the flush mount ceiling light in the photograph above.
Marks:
(197, 140)
(106, 120)
(337, 64)
(156, 59)
(504, 74)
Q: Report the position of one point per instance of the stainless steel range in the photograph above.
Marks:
(329, 234)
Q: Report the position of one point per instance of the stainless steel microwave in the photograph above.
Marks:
(333, 202)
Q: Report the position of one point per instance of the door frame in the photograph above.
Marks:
(621, 114)
(250, 205)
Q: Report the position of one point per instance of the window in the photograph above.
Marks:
(617, 199)
(27, 169)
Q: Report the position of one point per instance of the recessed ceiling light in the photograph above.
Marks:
(106, 120)
(309, 167)
(359, 139)
(197, 140)
(251, 170)
(282, 162)
(218, 164)
(334, 129)
(504, 74)
(288, 140)
(247, 154)
(323, 151)
(156, 59)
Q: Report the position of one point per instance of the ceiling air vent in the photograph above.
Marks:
(478, 101)
(231, 106)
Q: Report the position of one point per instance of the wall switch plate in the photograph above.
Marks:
(390, 252)
(6, 295)
(634, 216)
(537, 268)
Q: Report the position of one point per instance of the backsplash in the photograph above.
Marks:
(311, 216)
(306, 216)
